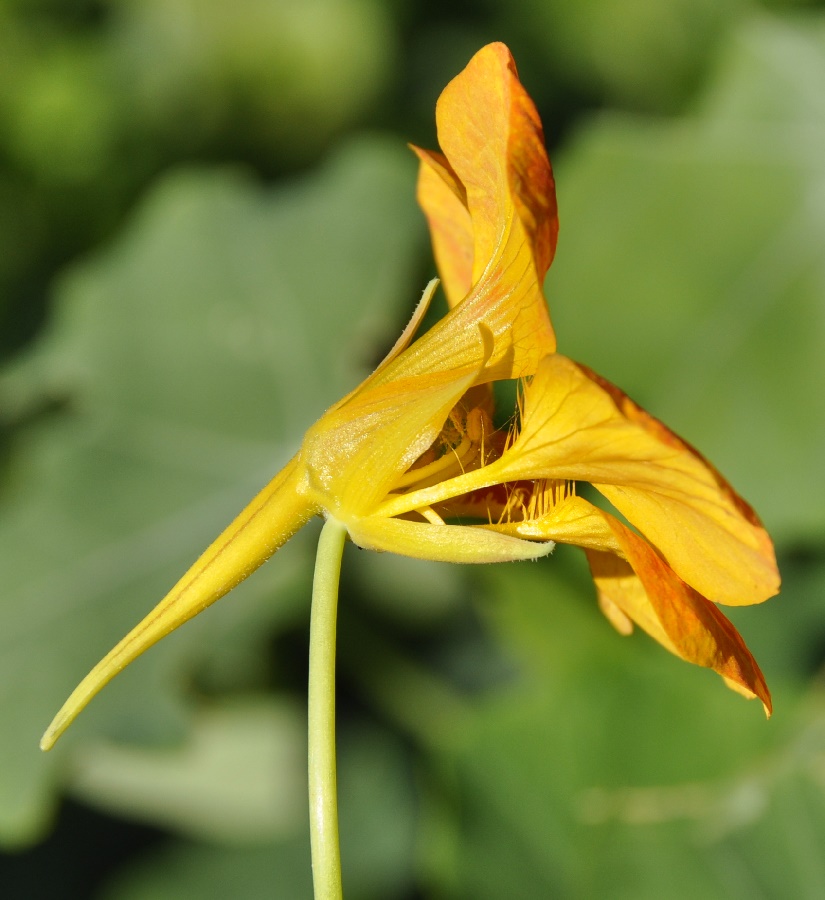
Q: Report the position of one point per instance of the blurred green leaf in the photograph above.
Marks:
(152, 79)
(191, 355)
(99, 96)
(691, 268)
(644, 54)
(607, 768)
(787, 635)
(377, 816)
(265, 75)
(185, 871)
(65, 118)
(378, 813)
(239, 778)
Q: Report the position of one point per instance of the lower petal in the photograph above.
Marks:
(443, 543)
(636, 585)
(645, 589)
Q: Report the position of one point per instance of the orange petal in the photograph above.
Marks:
(489, 130)
(492, 139)
(647, 591)
(278, 511)
(572, 428)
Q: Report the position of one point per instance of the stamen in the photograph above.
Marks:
(475, 425)
(477, 430)
(436, 467)
(514, 425)
(469, 431)
(515, 507)
(534, 500)
(430, 515)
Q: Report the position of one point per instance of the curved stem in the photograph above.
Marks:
(323, 800)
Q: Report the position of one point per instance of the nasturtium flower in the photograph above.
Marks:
(411, 462)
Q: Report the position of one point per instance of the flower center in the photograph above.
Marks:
(441, 483)
(465, 443)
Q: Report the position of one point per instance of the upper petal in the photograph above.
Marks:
(576, 426)
(490, 131)
(496, 165)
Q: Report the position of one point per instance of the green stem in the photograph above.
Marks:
(323, 800)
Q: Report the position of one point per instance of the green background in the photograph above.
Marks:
(208, 233)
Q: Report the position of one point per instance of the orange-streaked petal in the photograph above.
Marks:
(442, 543)
(492, 139)
(647, 591)
(444, 201)
(490, 132)
(623, 598)
(635, 585)
(275, 514)
(573, 429)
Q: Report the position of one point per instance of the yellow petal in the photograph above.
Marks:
(738, 542)
(492, 139)
(409, 332)
(647, 591)
(442, 543)
(576, 427)
(278, 511)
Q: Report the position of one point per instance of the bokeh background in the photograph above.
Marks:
(207, 234)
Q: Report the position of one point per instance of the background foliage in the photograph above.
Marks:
(207, 234)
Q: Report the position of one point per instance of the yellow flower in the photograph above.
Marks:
(413, 449)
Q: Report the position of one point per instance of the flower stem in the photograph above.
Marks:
(323, 800)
